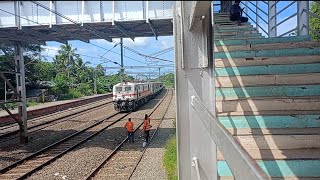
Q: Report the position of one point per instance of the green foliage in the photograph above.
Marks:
(72, 93)
(315, 22)
(70, 76)
(167, 79)
(170, 159)
(61, 85)
(45, 71)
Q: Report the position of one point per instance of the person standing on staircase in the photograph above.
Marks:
(129, 127)
(236, 13)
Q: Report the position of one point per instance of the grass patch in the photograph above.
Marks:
(170, 159)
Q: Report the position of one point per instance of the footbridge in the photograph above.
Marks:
(40, 21)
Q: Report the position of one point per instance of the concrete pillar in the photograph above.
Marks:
(21, 88)
(302, 17)
(272, 19)
(225, 6)
(194, 77)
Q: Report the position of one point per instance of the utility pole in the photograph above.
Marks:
(5, 93)
(21, 88)
(122, 70)
(159, 72)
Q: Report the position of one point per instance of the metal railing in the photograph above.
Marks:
(298, 15)
(235, 155)
(281, 18)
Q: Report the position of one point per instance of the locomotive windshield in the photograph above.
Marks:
(118, 88)
(127, 89)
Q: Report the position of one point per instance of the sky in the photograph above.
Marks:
(149, 45)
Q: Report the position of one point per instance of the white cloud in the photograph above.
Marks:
(166, 42)
(138, 42)
(282, 28)
(50, 51)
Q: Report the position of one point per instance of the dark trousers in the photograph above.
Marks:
(239, 18)
(146, 135)
(131, 136)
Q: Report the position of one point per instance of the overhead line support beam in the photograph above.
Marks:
(124, 31)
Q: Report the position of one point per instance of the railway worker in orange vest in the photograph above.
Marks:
(146, 127)
(129, 127)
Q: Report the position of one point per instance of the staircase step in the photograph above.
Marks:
(268, 69)
(274, 154)
(268, 53)
(260, 61)
(280, 168)
(264, 41)
(225, 23)
(267, 91)
(266, 142)
(238, 35)
(242, 29)
(268, 112)
(228, 27)
(233, 33)
(269, 104)
(274, 131)
(267, 80)
(282, 122)
(249, 47)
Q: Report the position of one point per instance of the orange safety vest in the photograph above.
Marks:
(146, 124)
(129, 126)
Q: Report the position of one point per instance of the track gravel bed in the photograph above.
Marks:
(57, 115)
(150, 166)
(12, 151)
(82, 160)
(125, 160)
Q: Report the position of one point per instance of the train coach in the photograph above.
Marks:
(128, 96)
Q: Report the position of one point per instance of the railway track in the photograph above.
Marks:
(44, 122)
(26, 166)
(126, 156)
(34, 162)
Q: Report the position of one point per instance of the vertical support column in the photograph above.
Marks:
(272, 19)
(121, 50)
(113, 12)
(82, 13)
(303, 17)
(50, 14)
(17, 13)
(247, 5)
(147, 11)
(195, 78)
(159, 72)
(21, 88)
(225, 6)
(257, 17)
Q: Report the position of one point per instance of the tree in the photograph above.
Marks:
(314, 21)
(7, 63)
(167, 79)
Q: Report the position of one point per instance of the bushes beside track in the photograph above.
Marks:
(170, 159)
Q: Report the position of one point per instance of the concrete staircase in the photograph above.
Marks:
(268, 97)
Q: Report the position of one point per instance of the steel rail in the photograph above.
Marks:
(50, 122)
(3, 170)
(154, 133)
(50, 114)
(104, 161)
